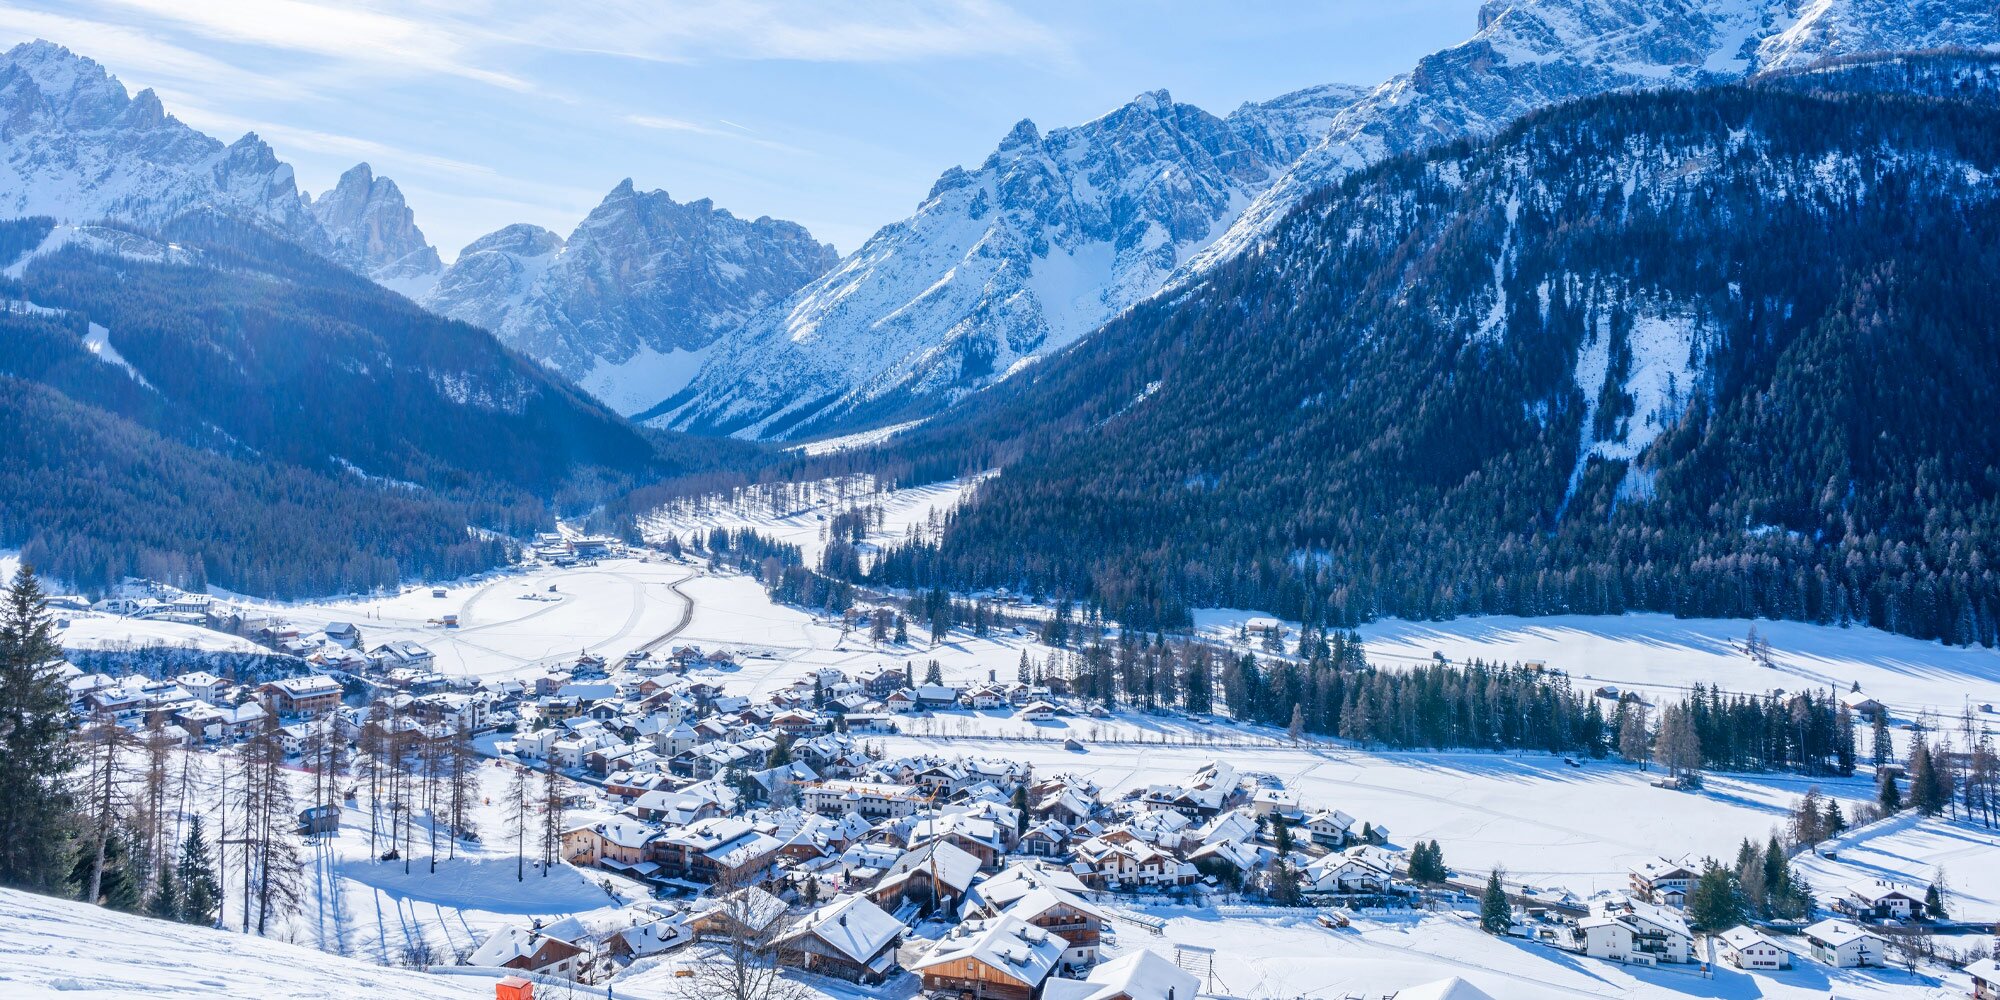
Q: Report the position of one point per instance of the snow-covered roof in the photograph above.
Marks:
(656, 936)
(1453, 988)
(1141, 975)
(1036, 902)
(851, 925)
(953, 865)
(1836, 933)
(1874, 890)
(505, 945)
(1012, 947)
(1022, 877)
(1740, 938)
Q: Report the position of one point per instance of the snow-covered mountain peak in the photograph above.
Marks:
(75, 146)
(1530, 54)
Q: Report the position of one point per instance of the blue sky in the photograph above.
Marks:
(832, 113)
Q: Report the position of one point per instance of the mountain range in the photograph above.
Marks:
(1722, 352)
(1040, 272)
(692, 318)
(1053, 235)
(77, 148)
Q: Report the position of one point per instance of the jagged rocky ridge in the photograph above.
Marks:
(632, 301)
(78, 149)
(374, 232)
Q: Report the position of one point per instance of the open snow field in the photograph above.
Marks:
(511, 623)
(1660, 654)
(1913, 850)
(92, 630)
(802, 518)
(56, 948)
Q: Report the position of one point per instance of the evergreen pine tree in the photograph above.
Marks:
(35, 752)
(1924, 784)
(1713, 903)
(1933, 903)
(1880, 747)
(200, 889)
(1495, 913)
(165, 903)
(1886, 794)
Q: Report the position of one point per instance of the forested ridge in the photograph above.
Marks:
(288, 428)
(1779, 294)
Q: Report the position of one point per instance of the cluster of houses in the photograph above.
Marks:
(558, 549)
(775, 820)
(1645, 925)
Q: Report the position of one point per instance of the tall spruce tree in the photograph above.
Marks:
(35, 751)
(1495, 913)
(200, 888)
(1714, 904)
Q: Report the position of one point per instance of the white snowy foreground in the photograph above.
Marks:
(56, 948)
(1290, 956)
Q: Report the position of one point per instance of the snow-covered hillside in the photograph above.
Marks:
(1056, 233)
(630, 303)
(57, 948)
(74, 145)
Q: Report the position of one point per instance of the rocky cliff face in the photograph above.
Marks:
(374, 232)
(631, 302)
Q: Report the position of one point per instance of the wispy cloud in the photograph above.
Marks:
(441, 42)
(829, 31)
(734, 132)
(138, 58)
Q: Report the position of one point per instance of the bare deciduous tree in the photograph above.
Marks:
(742, 961)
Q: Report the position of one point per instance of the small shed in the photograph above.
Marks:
(319, 819)
(513, 988)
